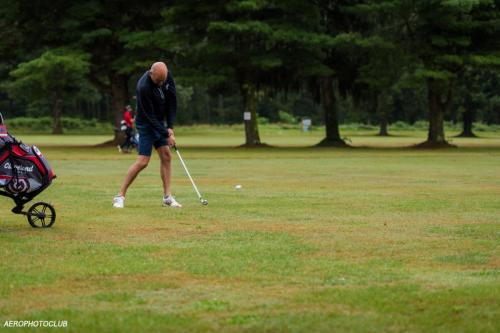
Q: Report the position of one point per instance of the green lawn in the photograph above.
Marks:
(232, 136)
(317, 240)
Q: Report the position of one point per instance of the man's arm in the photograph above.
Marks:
(148, 109)
(172, 101)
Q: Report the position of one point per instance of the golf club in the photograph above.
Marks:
(203, 201)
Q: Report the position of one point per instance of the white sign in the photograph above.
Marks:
(247, 116)
(306, 123)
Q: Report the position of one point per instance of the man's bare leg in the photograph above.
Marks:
(166, 172)
(165, 168)
(140, 164)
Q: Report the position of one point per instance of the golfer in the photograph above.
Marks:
(128, 123)
(156, 103)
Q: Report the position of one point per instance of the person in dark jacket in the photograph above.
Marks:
(156, 105)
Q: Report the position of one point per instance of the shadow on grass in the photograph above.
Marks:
(360, 148)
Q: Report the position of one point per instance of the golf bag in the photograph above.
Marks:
(25, 173)
(23, 169)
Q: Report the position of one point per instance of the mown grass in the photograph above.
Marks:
(317, 240)
(276, 135)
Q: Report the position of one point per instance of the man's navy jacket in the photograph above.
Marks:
(155, 104)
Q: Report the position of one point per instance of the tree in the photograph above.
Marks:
(261, 46)
(341, 58)
(383, 66)
(477, 88)
(53, 76)
(444, 36)
(382, 63)
(12, 48)
(471, 98)
(119, 36)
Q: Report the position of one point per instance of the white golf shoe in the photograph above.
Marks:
(119, 201)
(171, 202)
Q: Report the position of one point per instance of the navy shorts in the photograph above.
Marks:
(149, 137)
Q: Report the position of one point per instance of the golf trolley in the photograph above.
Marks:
(24, 173)
(131, 140)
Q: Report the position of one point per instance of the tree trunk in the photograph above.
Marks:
(437, 109)
(436, 115)
(119, 98)
(383, 125)
(468, 119)
(328, 102)
(384, 122)
(252, 137)
(57, 108)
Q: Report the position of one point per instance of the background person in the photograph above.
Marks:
(128, 121)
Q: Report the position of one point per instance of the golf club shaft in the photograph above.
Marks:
(187, 172)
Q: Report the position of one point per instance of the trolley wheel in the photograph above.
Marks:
(41, 215)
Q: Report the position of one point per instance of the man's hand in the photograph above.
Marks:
(171, 137)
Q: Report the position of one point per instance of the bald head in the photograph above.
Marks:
(158, 72)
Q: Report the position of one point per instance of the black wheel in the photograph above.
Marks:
(41, 215)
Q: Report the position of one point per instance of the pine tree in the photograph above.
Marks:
(261, 46)
(445, 37)
(334, 22)
(55, 75)
(343, 58)
(118, 36)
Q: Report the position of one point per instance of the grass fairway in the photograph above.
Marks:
(317, 240)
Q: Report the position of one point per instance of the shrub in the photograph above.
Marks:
(357, 127)
(262, 120)
(481, 127)
(71, 125)
(450, 126)
(287, 118)
(421, 125)
(400, 125)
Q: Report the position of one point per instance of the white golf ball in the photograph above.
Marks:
(238, 187)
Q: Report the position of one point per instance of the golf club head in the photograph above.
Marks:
(204, 202)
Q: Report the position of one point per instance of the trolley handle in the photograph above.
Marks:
(3, 129)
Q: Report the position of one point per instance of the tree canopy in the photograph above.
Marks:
(394, 59)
